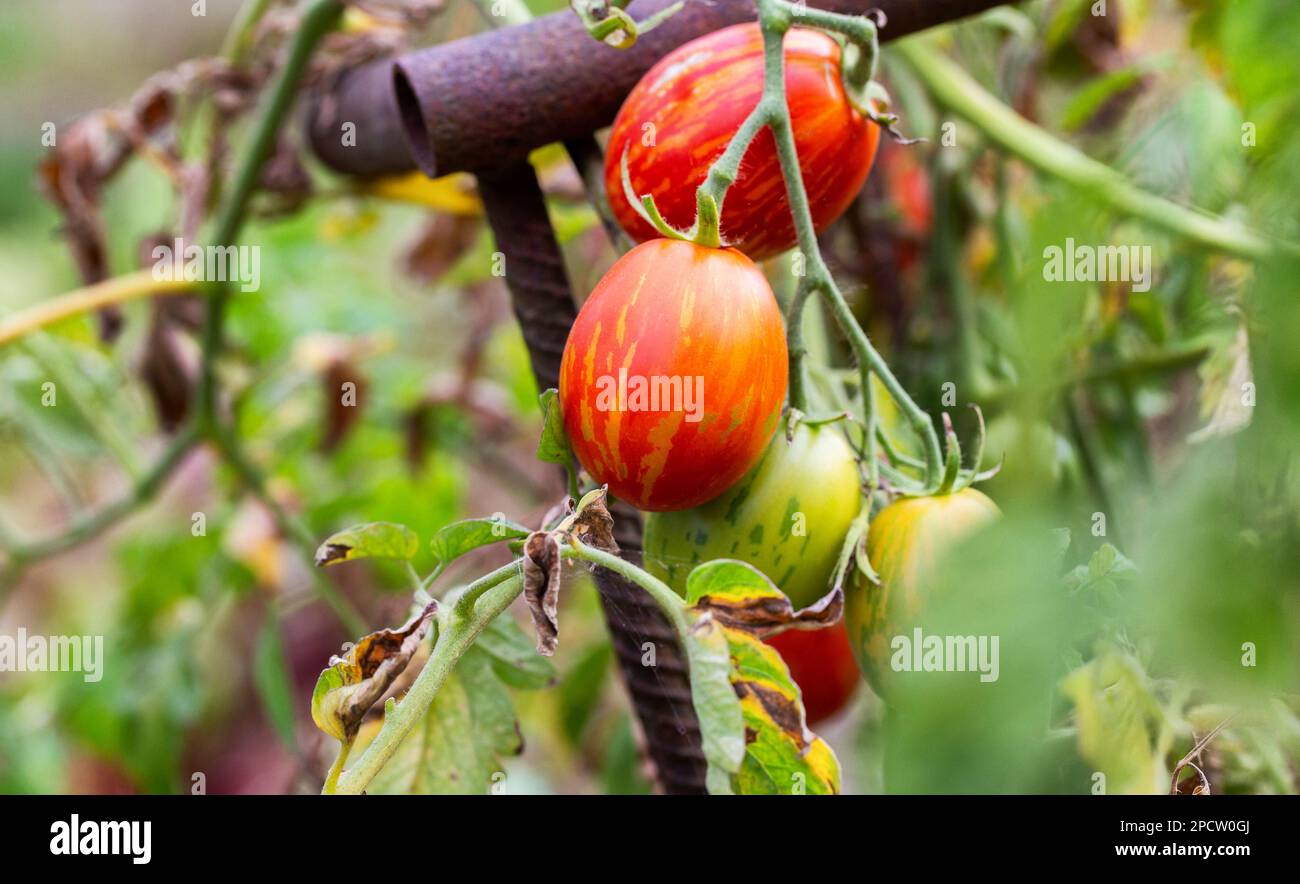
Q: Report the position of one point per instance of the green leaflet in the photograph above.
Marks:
(514, 658)
(458, 538)
(553, 447)
(374, 540)
(457, 747)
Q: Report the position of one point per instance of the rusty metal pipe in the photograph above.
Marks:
(486, 101)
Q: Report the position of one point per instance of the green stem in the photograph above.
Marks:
(401, 718)
(336, 769)
(668, 601)
(794, 322)
(466, 601)
(774, 16)
(240, 35)
(955, 89)
(320, 18)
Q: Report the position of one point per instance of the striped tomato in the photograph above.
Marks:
(682, 114)
(787, 517)
(905, 543)
(674, 374)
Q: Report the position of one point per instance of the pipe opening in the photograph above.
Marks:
(413, 126)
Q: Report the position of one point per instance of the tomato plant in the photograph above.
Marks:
(683, 113)
(787, 517)
(673, 374)
(905, 542)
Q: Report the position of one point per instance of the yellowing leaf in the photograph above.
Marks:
(453, 194)
(355, 681)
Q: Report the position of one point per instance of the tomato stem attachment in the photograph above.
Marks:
(606, 21)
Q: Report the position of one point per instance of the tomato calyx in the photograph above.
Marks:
(954, 477)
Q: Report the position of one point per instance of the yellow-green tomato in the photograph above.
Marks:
(906, 543)
(788, 517)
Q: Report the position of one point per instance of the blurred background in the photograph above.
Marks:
(1172, 412)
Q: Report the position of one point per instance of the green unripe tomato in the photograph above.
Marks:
(788, 517)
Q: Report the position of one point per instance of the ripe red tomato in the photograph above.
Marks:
(674, 374)
(681, 115)
(821, 662)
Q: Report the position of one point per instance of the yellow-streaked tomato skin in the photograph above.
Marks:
(787, 517)
(681, 115)
(702, 328)
(905, 543)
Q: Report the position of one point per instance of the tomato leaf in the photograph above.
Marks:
(374, 540)
(354, 682)
(732, 607)
(458, 538)
(782, 757)
(456, 748)
(741, 598)
(542, 574)
(722, 724)
(514, 659)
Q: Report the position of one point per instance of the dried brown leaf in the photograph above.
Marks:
(542, 574)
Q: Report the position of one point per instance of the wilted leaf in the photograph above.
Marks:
(514, 658)
(456, 747)
(590, 522)
(354, 682)
(374, 540)
(542, 568)
(554, 444)
(342, 410)
(440, 244)
(740, 597)
(761, 711)
(458, 538)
